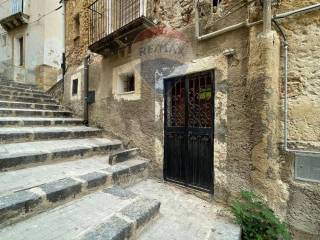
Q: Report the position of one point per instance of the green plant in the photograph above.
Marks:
(258, 222)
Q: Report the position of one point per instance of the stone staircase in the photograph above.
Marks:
(62, 180)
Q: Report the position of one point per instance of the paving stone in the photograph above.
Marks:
(26, 158)
(20, 201)
(13, 155)
(120, 192)
(95, 179)
(61, 189)
(182, 216)
(19, 134)
(114, 229)
(141, 211)
(23, 93)
(26, 99)
(56, 191)
(38, 121)
(12, 112)
(223, 231)
(122, 155)
(11, 104)
(119, 170)
(138, 165)
(30, 177)
(69, 221)
(19, 88)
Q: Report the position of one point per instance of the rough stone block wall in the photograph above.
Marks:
(46, 76)
(304, 97)
(238, 110)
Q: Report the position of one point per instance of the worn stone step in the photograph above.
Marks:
(20, 89)
(37, 121)
(14, 181)
(24, 94)
(25, 202)
(15, 112)
(185, 216)
(9, 104)
(20, 155)
(23, 134)
(27, 99)
(113, 213)
(123, 155)
(19, 85)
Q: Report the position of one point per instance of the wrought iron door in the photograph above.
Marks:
(189, 117)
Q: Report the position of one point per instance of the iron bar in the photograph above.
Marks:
(107, 16)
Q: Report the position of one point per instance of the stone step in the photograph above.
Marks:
(185, 216)
(20, 89)
(27, 99)
(8, 104)
(123, 155)
(14, 181)
(24, 94)
(19, 85)
(21, 155)
(23, 134)
(14, 206)
(113, 213)
(37, 121)
(15, 112)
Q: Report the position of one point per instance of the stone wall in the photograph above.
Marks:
(248, 100)
(46, 76)
(303, 87)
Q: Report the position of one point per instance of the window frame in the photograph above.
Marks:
(75, 91)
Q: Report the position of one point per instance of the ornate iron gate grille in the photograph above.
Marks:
(189, 118)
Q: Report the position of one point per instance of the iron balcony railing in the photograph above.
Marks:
(108, 16)
(11, 7)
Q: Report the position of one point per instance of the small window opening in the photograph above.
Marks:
(76, 38)
(77, 25)
(74, 87)
(127, 83)
(215, 3)
(21, 51)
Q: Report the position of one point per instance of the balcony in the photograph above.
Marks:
(116, 23)
(12, 15)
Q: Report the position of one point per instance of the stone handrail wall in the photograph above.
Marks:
(57, 90)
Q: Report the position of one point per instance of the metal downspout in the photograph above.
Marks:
(86, 89)
(286, 64)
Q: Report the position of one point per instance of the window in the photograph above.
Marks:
(21, 51)
(215, 3)
(307, 167)
(76, 20)
(127, 83)
(76, 27)
(75, 87)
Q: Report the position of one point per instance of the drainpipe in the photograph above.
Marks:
(86, 89)
(301, 10)
(286, 60)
